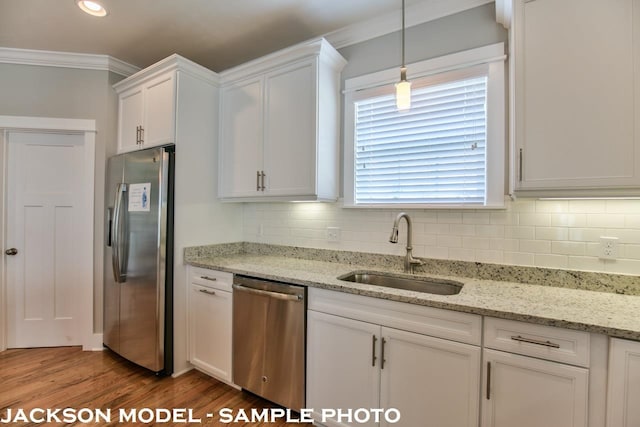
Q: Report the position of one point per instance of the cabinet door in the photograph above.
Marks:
(575, 94)
(343, 365)
(527, 392)
(130, 118)
(160, 118)
(624, 384)
(290, 130)
(430, 379)
(210, 331)
(241, 136)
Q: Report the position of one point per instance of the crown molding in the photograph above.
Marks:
(318, 47)
(83, 61)
(416, 14)
(504, 13)
(173, 62)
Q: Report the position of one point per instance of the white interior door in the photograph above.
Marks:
(44, 216)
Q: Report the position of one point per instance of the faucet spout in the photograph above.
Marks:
(394, 234)
(409, 261)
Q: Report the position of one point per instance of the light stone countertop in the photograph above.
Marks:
(612, 314)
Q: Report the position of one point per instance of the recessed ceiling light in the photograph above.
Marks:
(92, 7)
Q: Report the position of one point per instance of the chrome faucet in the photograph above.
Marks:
(409, 261)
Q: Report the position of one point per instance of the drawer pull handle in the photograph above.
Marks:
(212, 279)
(537, 342)
(204, 291)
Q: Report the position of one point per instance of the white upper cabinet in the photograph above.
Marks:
(146, 113)
(575, 87)
(241, 158)
(130, 117)
(279, 126)
(290, 130)
(159, 110)
(148, 102)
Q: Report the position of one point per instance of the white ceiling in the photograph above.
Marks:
(218, 34)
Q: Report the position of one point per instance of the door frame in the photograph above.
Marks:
(85, 228)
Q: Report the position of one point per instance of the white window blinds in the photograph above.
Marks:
(434, 153)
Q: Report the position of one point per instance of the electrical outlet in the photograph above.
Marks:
(608, 247)
(333, 234)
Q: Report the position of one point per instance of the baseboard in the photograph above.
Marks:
(182, 372)
(93, 343)
(222, 380)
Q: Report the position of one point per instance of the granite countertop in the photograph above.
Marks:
(610, 313)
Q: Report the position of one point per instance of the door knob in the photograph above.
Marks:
(12, 251)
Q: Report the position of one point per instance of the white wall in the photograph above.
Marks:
(77, 94)
(554, 234)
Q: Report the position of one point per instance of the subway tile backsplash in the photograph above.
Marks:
(560, 234)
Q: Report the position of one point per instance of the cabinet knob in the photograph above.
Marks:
(11, 251)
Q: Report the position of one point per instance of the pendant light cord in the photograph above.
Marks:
(403, 33)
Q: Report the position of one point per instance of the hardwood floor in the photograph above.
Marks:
(67, 377)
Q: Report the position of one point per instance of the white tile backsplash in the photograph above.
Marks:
(569, 248)
(542, 233)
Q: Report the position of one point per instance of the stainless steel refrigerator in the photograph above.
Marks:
(138, 264)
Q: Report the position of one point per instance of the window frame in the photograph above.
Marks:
(430, 72)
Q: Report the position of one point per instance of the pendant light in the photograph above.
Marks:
(403, 88)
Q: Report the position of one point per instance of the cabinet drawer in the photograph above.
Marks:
(211, 278)
(545, 342)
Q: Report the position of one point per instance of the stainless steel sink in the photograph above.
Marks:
(408, 283)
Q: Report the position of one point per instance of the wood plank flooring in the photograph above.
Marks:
(68, 377)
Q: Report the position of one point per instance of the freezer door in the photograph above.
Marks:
(111, 315)
(144, 241)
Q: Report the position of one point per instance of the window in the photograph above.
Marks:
(446, 151)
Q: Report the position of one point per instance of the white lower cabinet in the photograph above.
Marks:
(521, 389)
(431, 381)
(623, 398)
(354, 364)
(210, 314)
(341, 372)
(527, 392)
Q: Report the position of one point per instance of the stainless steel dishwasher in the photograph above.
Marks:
(269, 338)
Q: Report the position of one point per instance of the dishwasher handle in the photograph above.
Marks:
(277, 295)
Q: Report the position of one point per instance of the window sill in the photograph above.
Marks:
(426, 206)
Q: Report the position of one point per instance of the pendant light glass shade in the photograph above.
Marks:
(403, 91)
(403, 88)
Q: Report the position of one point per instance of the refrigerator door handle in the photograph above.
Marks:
(118, 276)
